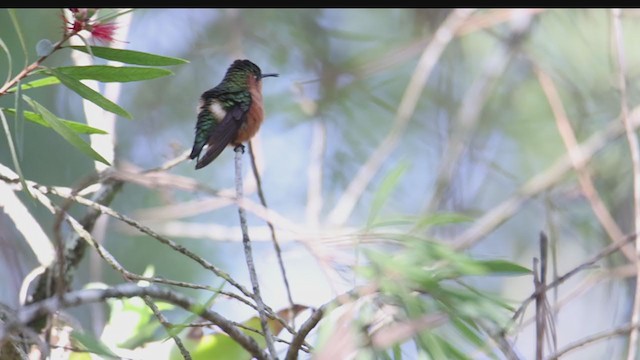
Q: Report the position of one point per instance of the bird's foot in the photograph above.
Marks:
(239, 147)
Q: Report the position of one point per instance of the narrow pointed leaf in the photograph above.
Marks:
(105, 73)
(131, 56)
(9, 64)
(14, 155)
(89, 94)
(18, 121)
(91, 344)
(46, 81)
(16, 26)
(64, 131)
(75, 126)
(384, 191)
(504, 267)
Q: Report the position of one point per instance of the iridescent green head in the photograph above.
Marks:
(240, 69)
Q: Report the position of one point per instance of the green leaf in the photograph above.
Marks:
(387, 186)
(131, 56)
(105, 73)
(89, 94)
(14, 155)
(504, 267)
(6, 50)
(191, 318)
(64, 131)
(441, 219)
(75, 126)
(402, 221)
(16, 26)
(466, 329)
(91, 344)
(49, 80)
(18, 121)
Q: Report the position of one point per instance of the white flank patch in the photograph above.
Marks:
(217, 110)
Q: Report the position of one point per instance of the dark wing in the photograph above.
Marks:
(221, 134)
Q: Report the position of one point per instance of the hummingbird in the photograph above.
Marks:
(230, 113)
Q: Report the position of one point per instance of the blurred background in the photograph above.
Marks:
(480, 129)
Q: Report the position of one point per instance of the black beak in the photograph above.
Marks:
(267, 75)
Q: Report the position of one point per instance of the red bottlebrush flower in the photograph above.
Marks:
(103, 32)
(76, 26)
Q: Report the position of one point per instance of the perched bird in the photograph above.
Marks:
(230, 113)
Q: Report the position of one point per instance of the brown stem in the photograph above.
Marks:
(27, 70)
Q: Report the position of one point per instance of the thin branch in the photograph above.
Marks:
(249, 257)
(36, 64)
(571, 143)
(274, 239)
(305, 328)
(318, 314)
(74, 247)
(146, 230)
(541, 182)
(501, 341)
(610, 249)
(165, 323)
(30, 312)
(66, 194)
(588, 340)
(539, 281)
(442, 37)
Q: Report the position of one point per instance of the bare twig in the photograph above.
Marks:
(146, 230)
(249, 257)
(71, 299)
(610, 249)
(305, 328)
(35, 65)
(274, 239)
(165, 323)
(632, 139)
(11, 177)
(588, 340)
(501, 341)
(571, 143)
(429, 58)
(540, 280)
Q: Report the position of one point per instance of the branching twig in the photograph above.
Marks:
(588, 340)
(571, 143)
(146, 230)
(249, 257)
(71, 299)
(613, 247)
